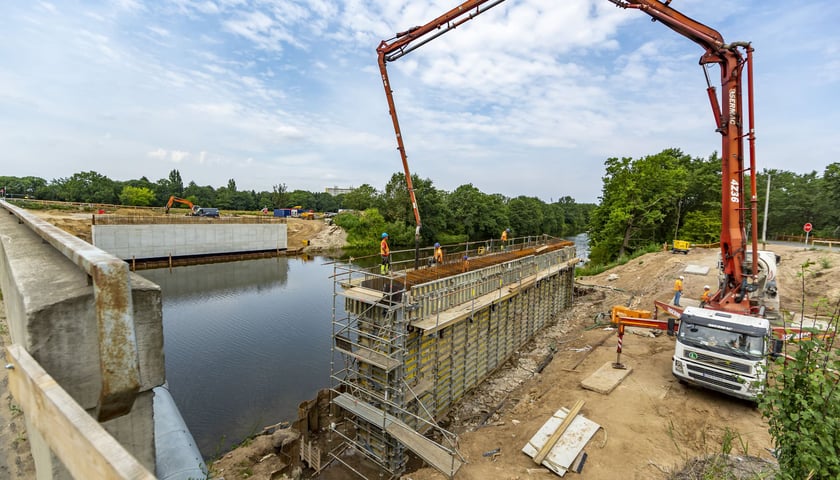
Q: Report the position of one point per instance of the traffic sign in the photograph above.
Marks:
(807, 227)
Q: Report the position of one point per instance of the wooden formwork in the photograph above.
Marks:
(413, 346)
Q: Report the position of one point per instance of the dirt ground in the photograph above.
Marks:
(651, 424)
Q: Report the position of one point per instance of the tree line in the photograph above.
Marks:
(644, 201)
(670, 195)
(465, 214)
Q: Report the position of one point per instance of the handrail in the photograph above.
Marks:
(82, 444)
(118, 356)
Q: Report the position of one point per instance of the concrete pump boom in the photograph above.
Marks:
(739, 274)
(733, 294)
(403, 43)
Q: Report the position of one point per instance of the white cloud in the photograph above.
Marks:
(178, 156)
(159, 153)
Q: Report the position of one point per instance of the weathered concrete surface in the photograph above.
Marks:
(177, 240)
(51, 312)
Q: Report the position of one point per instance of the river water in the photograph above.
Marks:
(245, 343)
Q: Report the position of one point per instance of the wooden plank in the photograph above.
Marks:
(363, 294)
(432, 453)
(85, 448)
(541, 454)
(568, 447)
(373, 358)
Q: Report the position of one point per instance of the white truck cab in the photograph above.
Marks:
(722, 351)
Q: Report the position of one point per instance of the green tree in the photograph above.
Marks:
(139, 196)
(278, 195)
(176, 185)
(88, 187)
(639, 197)
(363, 228)
(301, 198)
(397, 208)
(702, 226)
(478, 215)
(31, 187)
(527, 216)
(361, 198)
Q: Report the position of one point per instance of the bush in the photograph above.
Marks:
(801, 402)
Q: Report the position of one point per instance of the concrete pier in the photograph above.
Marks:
(155, 237)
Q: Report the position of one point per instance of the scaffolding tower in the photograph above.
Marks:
(408, 345)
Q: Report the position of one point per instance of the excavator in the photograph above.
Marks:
(195, 210)
(173, 200)
(747, 276)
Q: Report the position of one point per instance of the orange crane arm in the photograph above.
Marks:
(403, 43)
(733, 239)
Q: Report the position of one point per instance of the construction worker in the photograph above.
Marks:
(505, 233)
(678, 288)
(385, 253)
(438, 254)
(707, 295)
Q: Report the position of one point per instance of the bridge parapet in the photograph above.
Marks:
(92, 325)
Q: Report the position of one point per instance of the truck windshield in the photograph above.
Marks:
(723, 341)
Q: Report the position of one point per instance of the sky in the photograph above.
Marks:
(529, 98)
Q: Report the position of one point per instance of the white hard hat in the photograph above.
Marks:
(706, 287)
(682, 278)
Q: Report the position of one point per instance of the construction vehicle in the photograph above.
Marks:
(173, 200)
(681, 246)
(195, 210)
(725, 345)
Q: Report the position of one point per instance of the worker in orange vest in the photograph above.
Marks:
(707, 295)
(385, 252)
(438, 254)
(678, 288)
(505, 237)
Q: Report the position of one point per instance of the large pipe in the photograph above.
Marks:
(176, 454)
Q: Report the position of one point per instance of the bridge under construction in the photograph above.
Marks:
(407, 346)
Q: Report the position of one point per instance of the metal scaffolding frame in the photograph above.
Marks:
(407, 346)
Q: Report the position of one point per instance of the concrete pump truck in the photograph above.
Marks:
(724, 346)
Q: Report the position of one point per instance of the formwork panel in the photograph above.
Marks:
(414, 353)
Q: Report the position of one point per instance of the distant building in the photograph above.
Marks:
(338, 190)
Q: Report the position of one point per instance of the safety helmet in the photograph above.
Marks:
(507, 230)
(682, 278)
(707, 287)
(437, 244)
(384, 234)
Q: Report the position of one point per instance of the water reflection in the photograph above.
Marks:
(245, 343)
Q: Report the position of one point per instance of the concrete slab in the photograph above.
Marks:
(605, 379)
(696, 269)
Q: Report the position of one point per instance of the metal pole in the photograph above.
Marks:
(764, 223)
